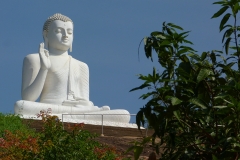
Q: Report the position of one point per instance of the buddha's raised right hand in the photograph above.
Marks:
(44, 57)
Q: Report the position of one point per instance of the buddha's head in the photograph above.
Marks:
(58, 32)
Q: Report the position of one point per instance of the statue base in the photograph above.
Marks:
(72, 119)
(72, 114)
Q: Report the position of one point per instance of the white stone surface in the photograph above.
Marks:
(93, 122)
(60, 81)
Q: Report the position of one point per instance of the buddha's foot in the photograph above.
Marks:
(105, 108)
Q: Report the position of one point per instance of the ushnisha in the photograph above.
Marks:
(61, 82)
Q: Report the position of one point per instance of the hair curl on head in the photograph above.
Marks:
(54, 17)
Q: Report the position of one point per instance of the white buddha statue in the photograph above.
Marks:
(61, 82)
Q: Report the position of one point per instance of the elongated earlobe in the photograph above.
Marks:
(46, 43)
(45, 39)
(70, 49)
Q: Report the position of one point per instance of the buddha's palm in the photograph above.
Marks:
(44, 57)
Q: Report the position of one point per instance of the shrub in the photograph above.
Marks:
(18, 146)
(13, 123)
(53, 142)
(77, 144)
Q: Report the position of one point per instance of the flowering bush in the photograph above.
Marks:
(54, 143)
(76, 144)
(106, 152)
(17, 146)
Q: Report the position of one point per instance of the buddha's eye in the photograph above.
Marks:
(69, 31)
(58, 30)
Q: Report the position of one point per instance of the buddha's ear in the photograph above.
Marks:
(70, 49)
(44, 34)
(45, 39)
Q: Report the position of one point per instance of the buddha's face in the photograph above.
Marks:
(60, 35)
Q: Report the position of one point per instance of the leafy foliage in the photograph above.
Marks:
(13, 124)
(138, 147)
(54, 143)
(18, 146)
(194, 100)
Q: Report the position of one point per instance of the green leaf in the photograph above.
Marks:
(234, 48)
(165, 42)
(175, 26)
(227, 34)
(227, 45)
(148, 48)
(184, 69)
(154, 72)
(222, 97)
(175, 101)
(139, 119)
(183, 33)
(145, 40)
(140, 87)
(230, 64)
(156, 33)
(129, 149)
(236, 8)
(184, 58)
(214, 157)
(228, 25)
(189, 90)
(160, 36)
(137, 151)
(218, 51)
(182, 51)
(198, 102)
(146, 140)
(203, 74)
(224, 20)
(147, 111)
(186, 47)
(194, 56)
(220, 12)
(203, 56)
(169, 32)
(177, 114)
(221, 65)
(186, 41)
(144, 96)
(219, 107)
(213, 57)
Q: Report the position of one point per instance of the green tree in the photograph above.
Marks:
(194, 100)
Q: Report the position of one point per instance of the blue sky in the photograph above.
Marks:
(106, 37)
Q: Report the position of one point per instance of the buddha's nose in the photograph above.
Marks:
(65, 34)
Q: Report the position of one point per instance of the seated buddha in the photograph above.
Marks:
(59, 81)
